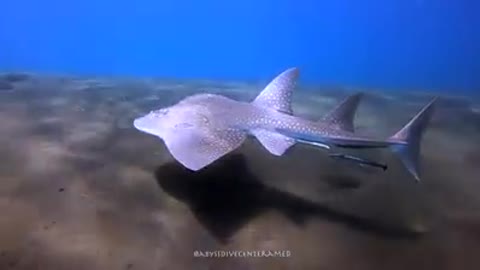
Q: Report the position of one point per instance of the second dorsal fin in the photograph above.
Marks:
(343, 114)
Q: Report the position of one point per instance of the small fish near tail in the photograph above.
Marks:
(409, 138)
(358, 160)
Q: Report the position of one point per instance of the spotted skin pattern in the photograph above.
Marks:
(278, 93)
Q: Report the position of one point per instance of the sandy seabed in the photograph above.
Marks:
(80, 188)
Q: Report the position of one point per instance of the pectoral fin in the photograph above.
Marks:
(196, 148)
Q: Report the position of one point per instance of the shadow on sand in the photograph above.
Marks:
(226, 195)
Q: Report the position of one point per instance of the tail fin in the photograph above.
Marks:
(410, 137)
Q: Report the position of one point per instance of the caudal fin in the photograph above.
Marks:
(409, 139)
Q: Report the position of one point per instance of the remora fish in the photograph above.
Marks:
(204, 127)
(358, 160)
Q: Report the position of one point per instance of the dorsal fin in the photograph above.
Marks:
(342, 115)
(278, 93)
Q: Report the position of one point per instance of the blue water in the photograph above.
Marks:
(425, 44)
